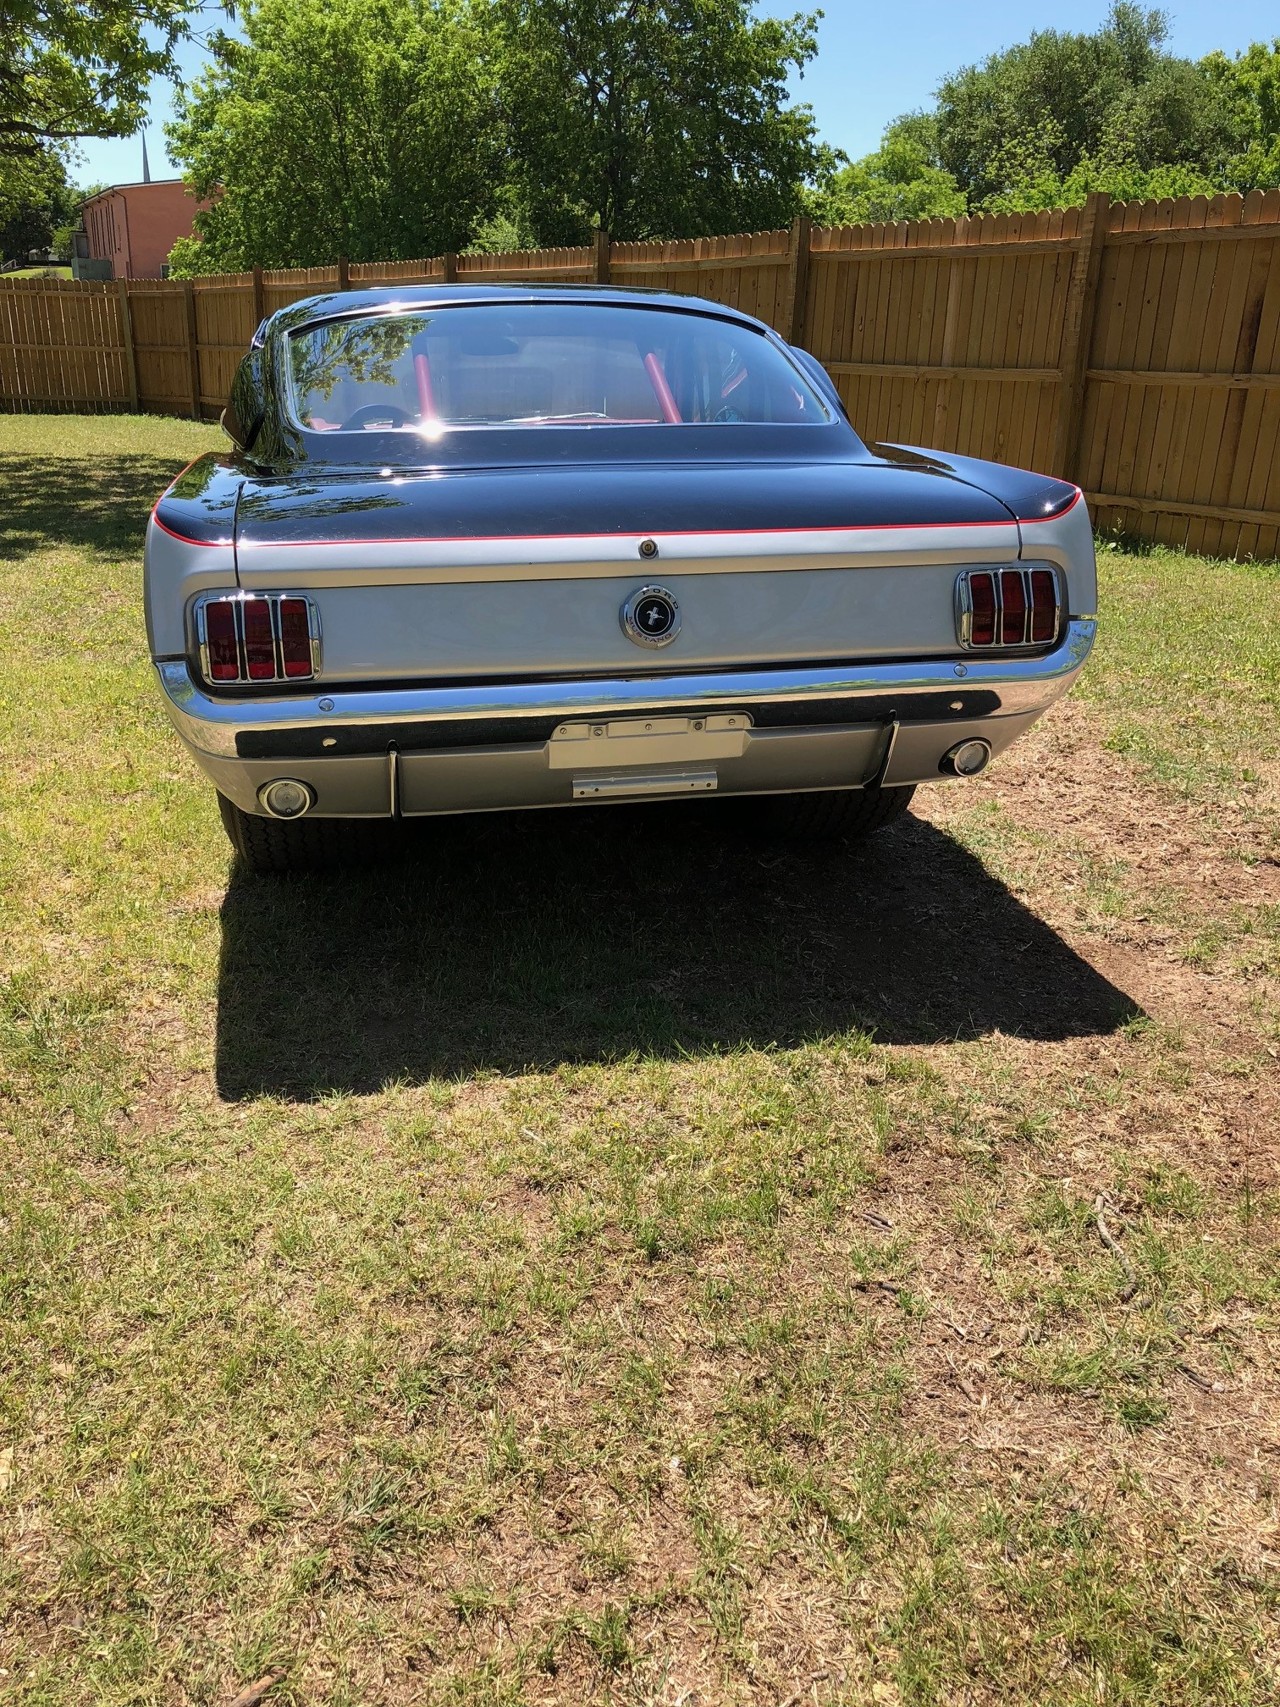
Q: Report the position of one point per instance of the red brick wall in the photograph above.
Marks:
(135, 226)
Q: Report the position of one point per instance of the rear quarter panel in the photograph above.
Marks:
(189, 548)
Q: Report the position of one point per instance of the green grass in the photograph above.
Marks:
(1189, 681)
(458, 1282)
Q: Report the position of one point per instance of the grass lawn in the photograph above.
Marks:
(604, 1259)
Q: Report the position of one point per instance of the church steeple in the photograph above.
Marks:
(146, 168)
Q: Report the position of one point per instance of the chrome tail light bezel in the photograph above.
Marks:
(1026, 643)
(237, 601)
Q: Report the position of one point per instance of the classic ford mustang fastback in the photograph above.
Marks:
(483, 547)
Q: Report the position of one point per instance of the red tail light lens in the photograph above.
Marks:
(259, 641)
(982, 599)
(222, 648)
(1013, 613)
(1008, 607)
(1044, 605)
(265, 637)
(295, 637)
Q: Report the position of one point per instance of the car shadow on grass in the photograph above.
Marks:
(103, 504)
(533, 939)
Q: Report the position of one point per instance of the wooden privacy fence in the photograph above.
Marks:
(1133, 347)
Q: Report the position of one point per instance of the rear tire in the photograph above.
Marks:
(271, 846)
(846, 812)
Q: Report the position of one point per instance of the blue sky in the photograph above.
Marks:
(874, 61)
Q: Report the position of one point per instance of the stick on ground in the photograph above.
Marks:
(252, 1693)
(1105, 1234)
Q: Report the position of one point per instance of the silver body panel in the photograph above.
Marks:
(570, 627)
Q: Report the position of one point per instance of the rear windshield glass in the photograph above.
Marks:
(541, 364)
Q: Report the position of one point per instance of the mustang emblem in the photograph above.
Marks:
(651, 616)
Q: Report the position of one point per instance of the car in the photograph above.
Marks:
(475, 548)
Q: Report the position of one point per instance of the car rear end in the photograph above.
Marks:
(591, 610)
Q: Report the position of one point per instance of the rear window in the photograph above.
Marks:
(541, 364)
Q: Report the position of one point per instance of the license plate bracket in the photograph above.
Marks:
(630, 784)
(609, 743)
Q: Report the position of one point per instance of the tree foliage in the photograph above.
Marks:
(72, 68)
(901, 180)
(36, 202)
(1040, 111)
(654, 117)
(358, 127)
(1049, 120)
(1249, 85)
(397, 128)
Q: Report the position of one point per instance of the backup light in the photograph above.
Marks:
(257, 637)
(1000, 608)
(286, 797)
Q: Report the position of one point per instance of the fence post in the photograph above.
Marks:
(126, 337)
(796, 300)
(259, 297)
(450, 267)
(1077, 334)
(193, 347)
(344, 273)
(600, 258)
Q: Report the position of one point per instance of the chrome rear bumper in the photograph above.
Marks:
(996, 686)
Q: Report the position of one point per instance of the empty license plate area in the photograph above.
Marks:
(608, 744)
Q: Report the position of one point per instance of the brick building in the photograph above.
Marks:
(134, 226)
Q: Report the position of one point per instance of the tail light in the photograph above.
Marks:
(297, 651)
(1008, 607)
(219, 642)
(257, 637)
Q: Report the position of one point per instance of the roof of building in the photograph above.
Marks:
(138, 184)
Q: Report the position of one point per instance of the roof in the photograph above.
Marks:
(333, 304)
(138, 184)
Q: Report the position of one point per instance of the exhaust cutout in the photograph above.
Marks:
(966, 758)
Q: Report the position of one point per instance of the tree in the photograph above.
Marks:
(899, 181)
(36, 201)
(655, 118)
(1109, 102)
(71, 68)
(1053, 118)
(357, 127)
(1250, 86)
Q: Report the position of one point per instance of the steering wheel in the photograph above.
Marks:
(392, 413)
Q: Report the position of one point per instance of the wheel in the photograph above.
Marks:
(835, 812)
(266, 846)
